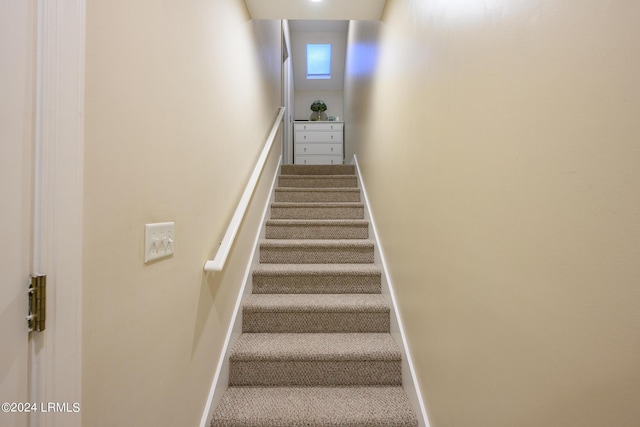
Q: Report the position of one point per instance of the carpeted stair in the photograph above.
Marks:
(315, 348)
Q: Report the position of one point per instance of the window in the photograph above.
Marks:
(318, 61)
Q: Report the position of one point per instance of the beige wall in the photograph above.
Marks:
(499, 144)
(180, 97)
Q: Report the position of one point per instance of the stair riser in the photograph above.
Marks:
(316, 232)
(304, 212)
(315, 373)
(317, 196)
(315, 322)
(320, 284)
(311, 255)
(317, 182)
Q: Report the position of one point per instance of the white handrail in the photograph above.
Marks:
(217, 263)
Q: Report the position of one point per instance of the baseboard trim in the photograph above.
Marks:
(410, 381)
(221, 377)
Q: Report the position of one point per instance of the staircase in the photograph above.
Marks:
(315, 348)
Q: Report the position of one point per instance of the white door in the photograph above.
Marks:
(41, 116)
(17, 70)
(287, 148)
(287, 95)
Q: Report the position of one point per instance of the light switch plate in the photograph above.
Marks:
(159, 240)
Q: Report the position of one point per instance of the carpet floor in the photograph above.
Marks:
(315, 348)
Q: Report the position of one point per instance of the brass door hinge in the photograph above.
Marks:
(37, 303)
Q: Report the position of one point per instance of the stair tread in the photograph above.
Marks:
(333, 303)
(314, 222)
(317, 279)
(317, 210)
(317, 251)
(317, 269)
(318, 406)
(315, 346)
(317, 169)
(316, 243)
(315, 181)
(318, 189)
(326, 176)
(318, 204)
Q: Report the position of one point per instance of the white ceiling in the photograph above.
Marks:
(299, 26)
(325, 9)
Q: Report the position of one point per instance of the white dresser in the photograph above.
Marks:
(318, 143)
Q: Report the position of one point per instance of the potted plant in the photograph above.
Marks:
(318, 107)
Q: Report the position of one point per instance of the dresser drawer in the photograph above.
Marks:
(319, 148)
(318, 160)
(308, 136)
(322, 126)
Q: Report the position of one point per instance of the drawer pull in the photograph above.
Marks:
(331, 148)
(305, 149)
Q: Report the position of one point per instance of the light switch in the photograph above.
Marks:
(159, 240)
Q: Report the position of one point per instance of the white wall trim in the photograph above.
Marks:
(410, 381)
(220, 380)
(56, 353)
